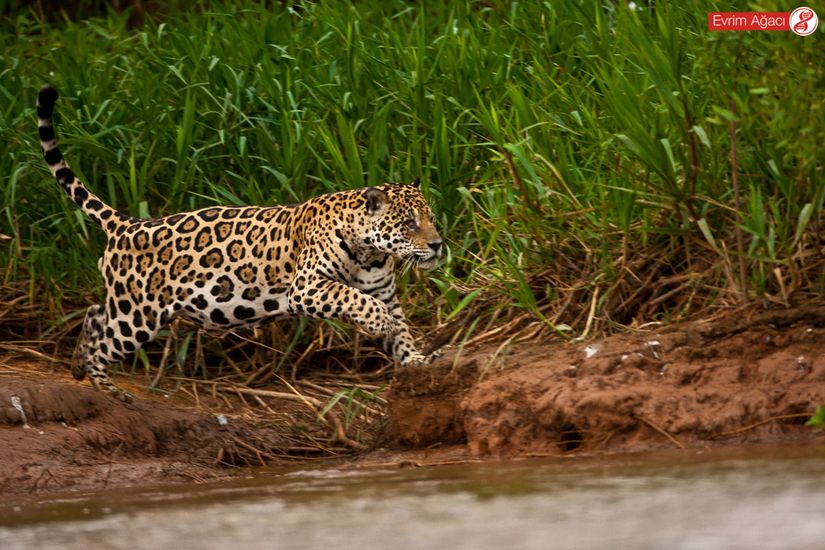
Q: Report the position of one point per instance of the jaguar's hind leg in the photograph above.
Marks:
(87, 343)
(121, 337)
(98, 371)
(106, 341)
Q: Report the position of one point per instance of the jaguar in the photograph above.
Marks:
(226, 267)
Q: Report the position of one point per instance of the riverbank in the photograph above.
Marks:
(737, 380)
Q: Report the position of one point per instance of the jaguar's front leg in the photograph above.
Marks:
(402, 346)
(322, 298)
(380, 284)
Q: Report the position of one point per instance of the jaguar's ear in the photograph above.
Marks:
(417, 183)
(376, 200)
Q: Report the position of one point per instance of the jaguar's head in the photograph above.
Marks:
(401, 223)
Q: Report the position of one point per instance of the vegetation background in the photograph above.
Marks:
(592, 164)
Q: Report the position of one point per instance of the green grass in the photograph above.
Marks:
(577, 153)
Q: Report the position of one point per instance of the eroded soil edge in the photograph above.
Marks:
(77, 438)
(736, 380)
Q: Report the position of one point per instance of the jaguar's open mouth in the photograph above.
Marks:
(424, 260)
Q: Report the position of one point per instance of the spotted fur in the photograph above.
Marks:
(331, 257)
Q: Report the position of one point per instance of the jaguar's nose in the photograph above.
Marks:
(435, 246)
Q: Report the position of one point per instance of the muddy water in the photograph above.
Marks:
(744, 498)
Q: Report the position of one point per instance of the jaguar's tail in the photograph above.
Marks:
(106, 217)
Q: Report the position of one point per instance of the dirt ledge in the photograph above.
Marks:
(737, 380)
(78, 439)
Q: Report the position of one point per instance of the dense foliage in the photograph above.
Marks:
(578, 153)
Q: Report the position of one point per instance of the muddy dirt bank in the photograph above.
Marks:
(739, 380)
(742, 379)
(75, 438)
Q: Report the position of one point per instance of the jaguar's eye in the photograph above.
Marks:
(411, 225)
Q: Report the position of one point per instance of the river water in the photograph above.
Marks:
(749, 498)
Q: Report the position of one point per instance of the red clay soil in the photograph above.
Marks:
(76, 438)
(739, 380)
